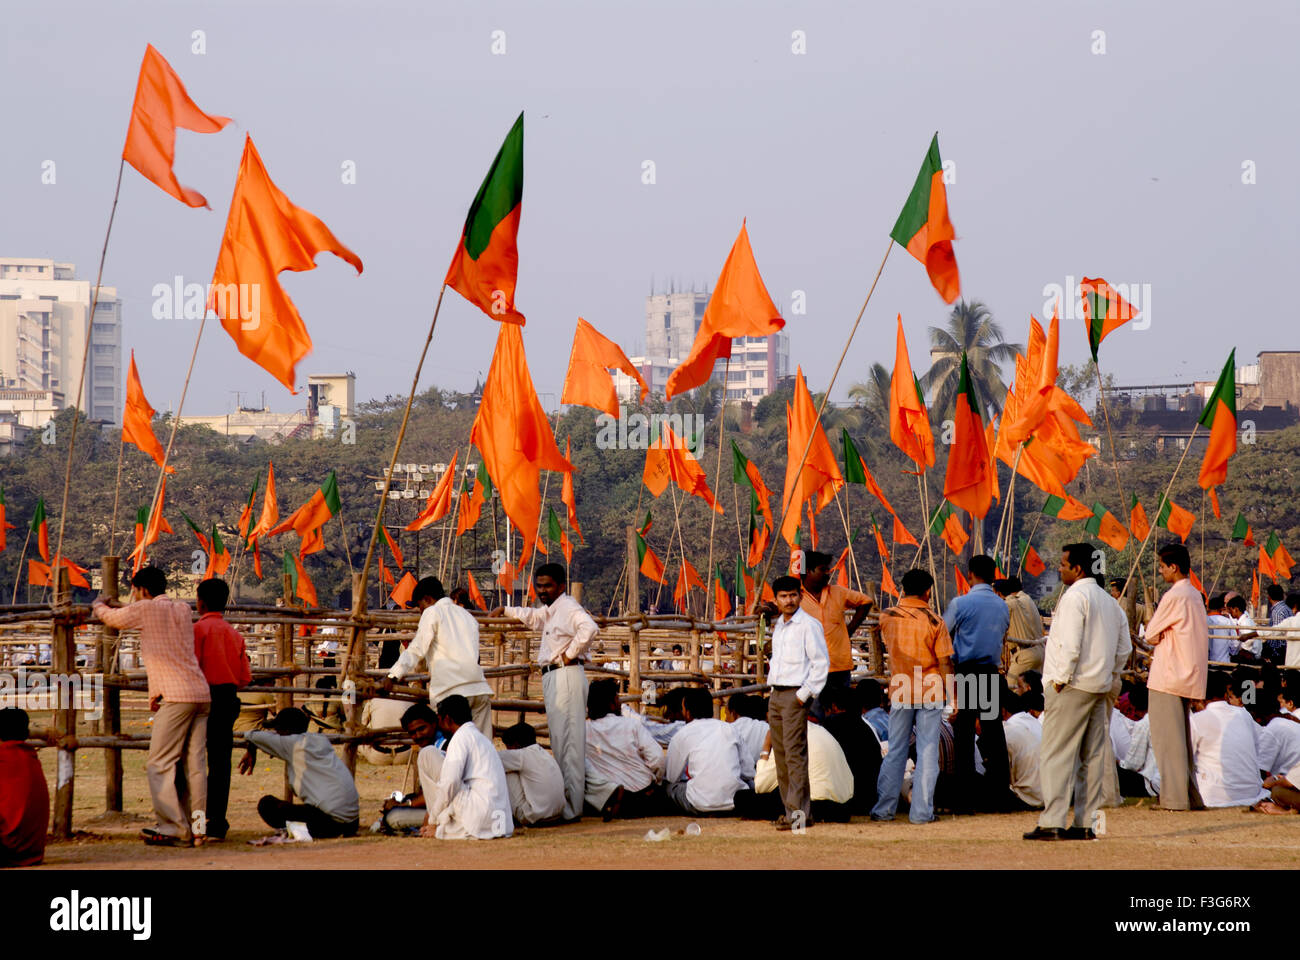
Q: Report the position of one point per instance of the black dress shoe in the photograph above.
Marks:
(1080, 833)
(1046, 833)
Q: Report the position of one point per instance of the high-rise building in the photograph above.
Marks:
(43, 310)
(671, 322)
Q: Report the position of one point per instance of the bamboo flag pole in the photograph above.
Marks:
(81, 380)
(681, 545)
(347, 546)
(117, 490)
(1005, 522)
(1222, 560)
(1021, 564)
(1202, 535)
(848, 540)
(711, 600)
(1114, 460)
(1151, 527)
(771, 555)
(546, 486)
(21, 557)
(457, 484)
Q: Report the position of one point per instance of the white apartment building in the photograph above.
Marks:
(43, 311)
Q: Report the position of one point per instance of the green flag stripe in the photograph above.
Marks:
(853, 472)
(502, 190)
(330, 490)
(916, 211)
(1225, 389)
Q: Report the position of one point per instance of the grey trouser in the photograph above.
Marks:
(481, 708)
(1074, 737)
(179, 739)
(1171, 740)
(788, 719)
(565, 694)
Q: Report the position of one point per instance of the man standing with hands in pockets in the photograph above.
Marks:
(797, 673)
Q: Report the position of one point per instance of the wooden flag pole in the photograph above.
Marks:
(546, 486)
(458, 483)
(1152, 526)
(848, 540)
(681, 545)
(1114, 461)
(1030, 542)
(1226, 547)
(21, 557)
(771, 555)
(711, 601)
(117, 491)
(81, 380)
(343, 536)
(1005, 523)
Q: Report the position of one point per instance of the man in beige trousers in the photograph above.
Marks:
(180, 699)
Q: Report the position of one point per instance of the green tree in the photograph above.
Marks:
(971, 330)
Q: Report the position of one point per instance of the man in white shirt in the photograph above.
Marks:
(567, 634)
(705, 760)
(1225, 748)
(1139, 775)
(1223, 638)
(624, 763)
(409, 814)
(446, 644)
(797, 673)
(745, 713)
(1024, 733)
(1246, 641)
(1087, 648)
(470, 798)
(532, 777)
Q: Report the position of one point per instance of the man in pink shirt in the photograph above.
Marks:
(1179, 633)
(179, 697)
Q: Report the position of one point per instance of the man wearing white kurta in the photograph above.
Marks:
(567, 634)
(532, 776)
(446, 644)
(620, 751)
(470, 798)
(1087, 648)
(1225, 745)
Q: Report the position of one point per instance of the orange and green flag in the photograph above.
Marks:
(5, 525)
(944, 523)
(218, 555)
(303, 588)
(909, 423)
(199, 535)
(721, 600)
(1104, 311)
(744, 470)
(1241, 531)
(968, 483)
(1279, 558)
(41, 529)
(1175, 519)
(485, 267)
(857, 471)
(924, 229)
(1106, 528)
(474, 495)
(307, 520)
(1030, 561)
(1065, 508)
(556, 535)
(1220, 418)
(651, 565)
(1137, 519)
(246, 515)
(567, 495)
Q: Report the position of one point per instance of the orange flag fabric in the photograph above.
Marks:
(506, 578)
(909, 423)
(887, 582)
(963, 585)
(161, 105)
(566, 493)
(901, 535)
(385, 575)
(669, 459)
(402, 593)
(137, 417)
(474, 594)
(967, 483)
(155, 526)
(270, 507)
(265, 235)
(439, 503)
(820, 476)
(513, 435)
(739, 307)
(588, 383)
(394, 548)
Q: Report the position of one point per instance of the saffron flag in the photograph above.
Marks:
(744, 470)
(393, 548)
(307, 520)
(5, 525)
(760, 534)
(1137, 519)
(256, 549)
(303, 588)
(1196, 581)
(650, 564)
(199, 535)
(155, 526)
(1065, 508)
(588, 382)
(38, 574)
(681, 592)
(967, 483)
(668, 458)
(819, 477)
(485, 267)
(270, 507)
(909, 423)
(555, 534)
(1278, 556)
(1220, 418)
(944, 523)
(739, 307)
(385, 575)
(1240, 530)
(963, 586)
(246, 515)
(439, 503)
(137, 419)
(721, 600)
(1254, 589)
(1033, 391)
(471, 504)
(41, 528)
(1030, 560)
(1265, 561)
(161, 105)
(514, 436)
(923, 227)
(404, 590)
(1106, 528)
(1175, 519)
(887, 584)
(1104, 310)
(218, 555)
(474, 594)
(901, 534)
(265, 235)
(506, 578)
(566, 492)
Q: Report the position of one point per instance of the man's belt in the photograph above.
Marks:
(560, 665)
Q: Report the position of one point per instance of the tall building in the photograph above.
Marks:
(43, 310)
(671, 323)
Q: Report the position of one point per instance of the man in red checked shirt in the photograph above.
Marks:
(224, 661)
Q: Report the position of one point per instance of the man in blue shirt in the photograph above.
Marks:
(977, 622)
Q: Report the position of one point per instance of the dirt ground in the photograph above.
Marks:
(1137, 836)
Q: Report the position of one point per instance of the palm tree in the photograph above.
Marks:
(971, 330)
(871, 399)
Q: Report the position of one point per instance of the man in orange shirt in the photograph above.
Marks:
(1179, 631)
(224, 662)
(24, 796)
(826, 602)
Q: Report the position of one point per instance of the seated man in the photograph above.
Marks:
(24, 796)
(1221, 631)
(830, 780)
(1284, 795)
(748, 717)
(705, 760)
(857, 740)
(470, 799)
(624, 763)
(1224, 750)
(330, 804)
(1279, 739)
(533, 778)
(1246, 645)
(871, 698)
(382, 713)
(1138, 774)
(1021, 719)
(673, 720)
(410, 814)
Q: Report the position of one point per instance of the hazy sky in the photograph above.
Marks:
(1126, 164)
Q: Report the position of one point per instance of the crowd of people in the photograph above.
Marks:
(983, 711)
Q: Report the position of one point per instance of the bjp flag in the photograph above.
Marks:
(588, 382)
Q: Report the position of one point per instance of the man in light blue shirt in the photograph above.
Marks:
(977, 622)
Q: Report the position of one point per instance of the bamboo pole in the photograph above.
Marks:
(681, 545)
(546, 486)
(112, 719)
(710, 602)
(81, 380)
(117, 491)
(18, 576)
(1021, 564)
(1114, 460)
(63, 661)
(1151, 527)
(633, 603)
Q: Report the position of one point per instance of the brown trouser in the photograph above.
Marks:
(1171, 740)
(788, 719)
(179, 739)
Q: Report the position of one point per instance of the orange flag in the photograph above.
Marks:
(265, 235)
(394, 548)
(968, 484)
(439, 503)
(1034, 394)
(588, 383)
(303, 588)
(566, 493)
(668, 458)
(514, 436)
(270, 508)
(1266, 563)
(154, 527)
(137, 419)
(721, 601)
(820, 476)
(38, 574)
(161, 105)
(901, 535)
(256, 550)
(385, 575)
(963, 585)
(402, 593)
(1254, 589)
(506, 578)
(887, 582)
(909, 424)
(474, 593)
(739, 307)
